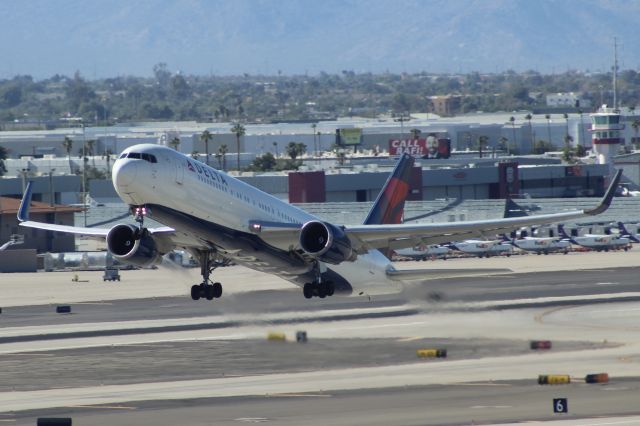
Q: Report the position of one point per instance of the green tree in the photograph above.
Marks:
(295, 149)
(264, 162)
(239, 130)
(206, 137)
(67, 144)
(90, 151)
(222, 156)
(3, 156)
(174, 143)
(540, 147)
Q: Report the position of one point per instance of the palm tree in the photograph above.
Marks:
(528, 117)
(566, 119)
(206, 137)
(548, 117)
(222, 156)
(636, 127)
(89, 145)
(275, 146)
(482, 142)
(512, 119)
(174, 143)
(67, 144)
(239, 130)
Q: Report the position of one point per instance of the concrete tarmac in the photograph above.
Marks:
(359, 366)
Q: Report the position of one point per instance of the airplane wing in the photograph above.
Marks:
(23, 218)
(367, 237)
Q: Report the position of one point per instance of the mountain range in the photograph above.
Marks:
(106, 38)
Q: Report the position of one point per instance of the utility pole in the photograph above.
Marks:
(84, 174)
(51, 192)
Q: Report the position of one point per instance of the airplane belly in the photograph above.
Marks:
(367, 275)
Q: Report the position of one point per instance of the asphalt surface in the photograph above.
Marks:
(547, 296)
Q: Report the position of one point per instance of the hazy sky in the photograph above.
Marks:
(103, 38)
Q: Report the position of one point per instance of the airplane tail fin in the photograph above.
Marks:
(389, 205)
(563, 234)
(625, 233)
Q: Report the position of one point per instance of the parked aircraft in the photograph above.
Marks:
(625, 233)
(13, 240)
(482, 248)
(220, 219)
(425, 252)
(603, 242)
(539, 245)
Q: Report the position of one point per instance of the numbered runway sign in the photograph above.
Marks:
(560, 405)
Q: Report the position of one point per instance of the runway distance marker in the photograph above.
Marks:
(560, 405)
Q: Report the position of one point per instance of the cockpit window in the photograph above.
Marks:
(146, 157)
(149, 157)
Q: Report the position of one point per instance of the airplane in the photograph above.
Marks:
(220, 219)
(482, 248)
(604, 242)
(625, 233)
(425, 252)
(538, 245)
(14, 239)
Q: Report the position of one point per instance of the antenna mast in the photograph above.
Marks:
(615, 74)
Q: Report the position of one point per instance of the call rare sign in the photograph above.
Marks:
(429, 147)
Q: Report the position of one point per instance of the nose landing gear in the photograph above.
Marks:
(318, 289)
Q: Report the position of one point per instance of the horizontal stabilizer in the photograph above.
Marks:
(434, 274)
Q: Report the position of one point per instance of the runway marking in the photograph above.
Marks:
(607, 283)
(105, 407)
(93, 303)
(299, 395)
(480, 384)
(8, 421)
(490, 406)
(410, 339)
(251, 419)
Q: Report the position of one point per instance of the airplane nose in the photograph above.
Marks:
(124, 173)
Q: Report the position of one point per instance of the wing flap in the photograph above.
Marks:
(414, 275)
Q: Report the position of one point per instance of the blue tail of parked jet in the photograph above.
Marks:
(389, 206)
(563, 234)
(625, 233)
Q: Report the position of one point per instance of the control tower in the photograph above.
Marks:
(606, 136)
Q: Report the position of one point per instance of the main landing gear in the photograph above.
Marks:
(206, 289)
(318, 289)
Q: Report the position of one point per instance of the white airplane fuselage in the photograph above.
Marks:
(179, 190)
(542, 245)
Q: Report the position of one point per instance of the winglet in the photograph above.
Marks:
(23, 211)
(608, 196)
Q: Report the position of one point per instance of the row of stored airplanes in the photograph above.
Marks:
(219, 219)
(505, 245)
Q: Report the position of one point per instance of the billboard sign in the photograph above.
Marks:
(429, 147)
(349, 136)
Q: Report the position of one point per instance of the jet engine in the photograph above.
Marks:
(326, 242)
(126, 245)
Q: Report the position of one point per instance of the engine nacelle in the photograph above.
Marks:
(327, 242)
(122, 243)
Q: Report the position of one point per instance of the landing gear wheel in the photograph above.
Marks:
(195, 292)
(307, 290)
(209, 292)
(216, 288)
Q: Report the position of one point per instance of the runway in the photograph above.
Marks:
(169, 360)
